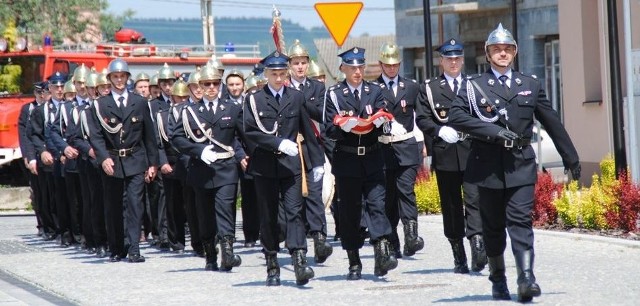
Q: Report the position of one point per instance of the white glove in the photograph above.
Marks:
(397, 129)
(448, 134)
(318, 172)
(288, 147)
(350, 124)
(208, 156)
(379, 121)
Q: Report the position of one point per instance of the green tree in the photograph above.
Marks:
(62, 18)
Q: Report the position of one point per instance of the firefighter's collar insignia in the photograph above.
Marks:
(366, 88)
(491, 82)
(518, 81)
(401, 84)
(345, 91)
(221, 107)
(201, 109)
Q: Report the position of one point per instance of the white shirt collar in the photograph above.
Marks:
(274, 92)
(296, 84)
(359, 88)
(117, 96)
(386, 80)
(497, 74)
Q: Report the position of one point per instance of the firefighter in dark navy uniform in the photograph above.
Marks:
(276, 123)
(352, 117)
(313, 91)
(124, 141)
(450, 150)
(498, 107)
(402, 152)
(207, 132)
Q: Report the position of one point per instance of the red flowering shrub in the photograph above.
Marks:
(625, 213)
(546, 191)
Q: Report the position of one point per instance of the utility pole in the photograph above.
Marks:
(208, 35)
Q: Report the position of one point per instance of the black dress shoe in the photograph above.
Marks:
(136, 258)
(164, 245)
(101, 252)
(115, 258)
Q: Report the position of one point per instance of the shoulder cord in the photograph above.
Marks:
(160, 125)
(65, 119)
(84, 123)
(207, 134)
(252, 103)
(110, 130)
(433, 107)
(471, 95)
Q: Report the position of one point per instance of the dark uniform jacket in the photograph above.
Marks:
(78, 132)
(136, 139)
(491, 164)
(67, 116)
(430, 118)
(292, 118)
(313, 91)
(166, 121)
(348, 164)
(406, 152)
(24, 131)
(42, 116)
(223, 127)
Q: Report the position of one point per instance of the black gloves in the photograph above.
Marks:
(507, 135)
(575, 172)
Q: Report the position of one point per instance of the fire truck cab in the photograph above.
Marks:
(22, 67)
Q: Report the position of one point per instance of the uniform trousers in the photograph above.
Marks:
(270, 190)
(216, 211)
(87, 208)
(48, 205)
(175, 214)
(352, 192)
(158, 207)
(189, 196)
(400, 199)
(313, 208)
(511, 209)
(250, 219)
(96, 205)
(455, 212)
(123, 195)
(74, 202)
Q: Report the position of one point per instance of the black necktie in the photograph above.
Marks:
(212, 109)
(391, 87)
(278, 97)
(503, 78)
(301, 87)
(121, 100)
(357, 95)
(455, 86)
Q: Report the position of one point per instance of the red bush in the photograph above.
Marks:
(625, 213)
(544, 211)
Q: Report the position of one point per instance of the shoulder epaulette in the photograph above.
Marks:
(533, 76)
(474, 76)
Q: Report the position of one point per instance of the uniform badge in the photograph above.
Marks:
(443, 113)
(222, 107)
(483, 101)
(369, 109)
(525, 93)
(491, 82)
(350, 113)
(112, 120)
(201, 109)
(345, 91)
(355, 50)
(366, 89)
(134, 119)
(403, 103)
(518, 81)
(401, 84)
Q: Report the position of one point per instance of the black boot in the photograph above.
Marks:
(355, 265)
(499, 289)
(412, 242)
(273, 270)
(384, 259)
(527, 287)
(394, 244)
(211, 256)
(478, 254)
(459, 256)
(322, 249)
(229, 260)
(303, 272)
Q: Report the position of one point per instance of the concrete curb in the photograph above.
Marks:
(596, 238)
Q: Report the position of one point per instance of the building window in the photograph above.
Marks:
(552, 75)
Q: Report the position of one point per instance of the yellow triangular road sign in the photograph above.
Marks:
(338, 18)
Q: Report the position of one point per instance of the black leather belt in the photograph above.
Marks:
(359, 150)
(123, 152)
(517, 143)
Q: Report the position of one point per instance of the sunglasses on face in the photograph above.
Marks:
(207, 84)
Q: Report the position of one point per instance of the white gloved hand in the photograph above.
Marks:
(318, 172)
(397, 129)
(350, 124)
(448, 134)
(208, 156)
(288, 147)
(379, 121)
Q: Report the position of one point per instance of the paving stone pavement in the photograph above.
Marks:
(572, 269)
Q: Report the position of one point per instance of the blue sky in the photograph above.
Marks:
(376, 18)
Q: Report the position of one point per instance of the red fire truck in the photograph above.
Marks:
(38, 63)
